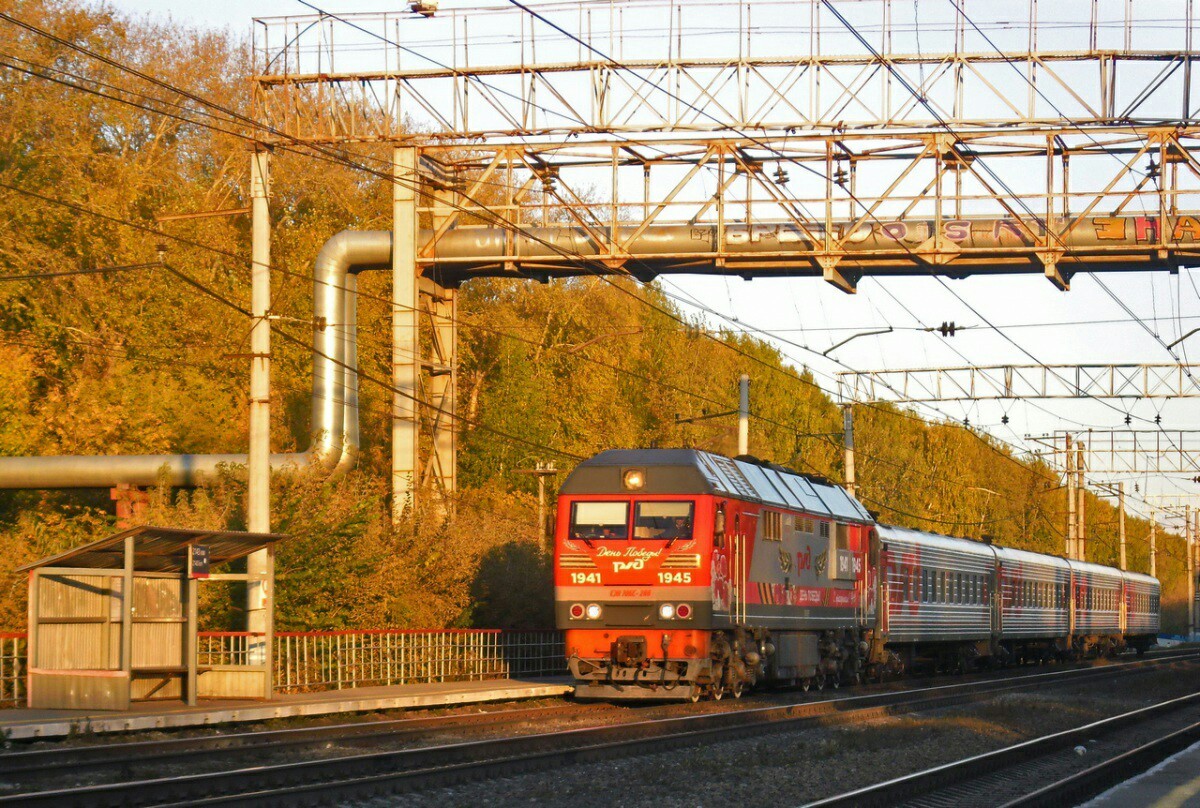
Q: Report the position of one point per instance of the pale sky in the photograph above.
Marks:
(799, 310)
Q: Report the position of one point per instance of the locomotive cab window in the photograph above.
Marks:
(600, 520)
(663, 520)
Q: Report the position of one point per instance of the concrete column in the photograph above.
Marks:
(1071, 528)
(1081, 508)
(1189, 540)
(1153, 544)
(443, 388)
(848, 444)
(405, 347)
(258, 465)
(440, 303)
(744, 415)
(1121, 517)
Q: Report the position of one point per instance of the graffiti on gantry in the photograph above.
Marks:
(993, 232)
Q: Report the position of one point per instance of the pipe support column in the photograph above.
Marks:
(258, 465)
(405, 347)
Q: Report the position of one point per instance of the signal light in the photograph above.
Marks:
(683, 611)
(577, 610)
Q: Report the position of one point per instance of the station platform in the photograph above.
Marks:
(1174, 783)
(23, 724)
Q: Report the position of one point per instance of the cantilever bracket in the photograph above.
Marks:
(1054, 274)
(848, 283)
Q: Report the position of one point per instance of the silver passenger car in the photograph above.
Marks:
(1142, 595)
(1034, 589)
(938, 588)
(1096, 599)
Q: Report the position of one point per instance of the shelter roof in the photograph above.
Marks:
(158, 549)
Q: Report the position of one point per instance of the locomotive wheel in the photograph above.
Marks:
(716, 692)
(737, 688)
(820, 681)
(835, 681)
(695, 694)
(805, 684)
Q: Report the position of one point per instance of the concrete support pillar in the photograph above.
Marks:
(258, 465)
(744, 415)
(1081, 507)
(439, 303)
(848, 444)
(1153, 544)
(442, 387)
(405, 347)
(1189, 538)
(1121, 522)
(1071, 527)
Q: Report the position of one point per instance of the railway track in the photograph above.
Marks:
(1051, 770)
(75, 760)
(361, 775)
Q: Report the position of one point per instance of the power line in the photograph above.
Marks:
(94, 271)
(502, 222)
(979, 160)
(656, 85)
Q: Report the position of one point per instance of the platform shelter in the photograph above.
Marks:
(92, 647)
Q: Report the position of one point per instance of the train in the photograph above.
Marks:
(681, 574)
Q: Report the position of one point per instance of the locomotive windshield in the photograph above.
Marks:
(600, 520)
(663, 520)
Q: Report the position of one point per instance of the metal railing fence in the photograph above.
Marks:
(12, 668)
(332, 660)
(307, 661)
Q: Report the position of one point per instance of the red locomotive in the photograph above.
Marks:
(682, 574)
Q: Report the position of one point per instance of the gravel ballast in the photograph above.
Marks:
(794, 767)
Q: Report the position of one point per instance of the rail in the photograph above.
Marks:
(306, 661)
(353, 774)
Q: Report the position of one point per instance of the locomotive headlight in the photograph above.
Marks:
(593, 611)
(633, 479)
(666, 611)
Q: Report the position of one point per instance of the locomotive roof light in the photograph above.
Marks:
(633, 479)
(594, 611)
(666, 611)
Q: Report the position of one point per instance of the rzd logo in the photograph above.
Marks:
(634, 564)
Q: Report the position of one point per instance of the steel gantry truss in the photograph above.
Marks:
(764, 138)
(1126, 451)
(989, 382)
